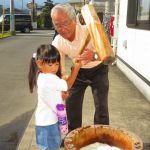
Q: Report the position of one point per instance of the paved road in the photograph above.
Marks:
(16, 103)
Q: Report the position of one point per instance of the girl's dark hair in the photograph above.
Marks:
(47, 54)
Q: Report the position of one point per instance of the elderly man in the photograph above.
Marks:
(93, 73)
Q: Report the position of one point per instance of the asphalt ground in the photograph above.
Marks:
(16, 103)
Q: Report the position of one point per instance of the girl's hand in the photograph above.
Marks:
(65, 95)
(77, 62)
(65, 77)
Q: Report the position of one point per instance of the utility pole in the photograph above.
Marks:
(22, 5)
(3, 18)
(12, 20)
(116, 26)
(33, 10)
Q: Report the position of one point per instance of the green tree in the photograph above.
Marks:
(44, 20)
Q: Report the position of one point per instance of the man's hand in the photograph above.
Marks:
(86, 56)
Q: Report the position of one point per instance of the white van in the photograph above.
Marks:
(22, 22)
(133, 48)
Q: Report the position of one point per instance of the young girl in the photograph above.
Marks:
(45, 73)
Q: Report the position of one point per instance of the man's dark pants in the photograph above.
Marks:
(97, 79)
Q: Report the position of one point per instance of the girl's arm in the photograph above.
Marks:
(74, 72)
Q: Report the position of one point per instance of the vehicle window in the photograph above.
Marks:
(138, 14)
(22, 18)
(143, 10)
(7, 17)
(18, 18)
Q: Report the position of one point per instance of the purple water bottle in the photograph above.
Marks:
(62, 118)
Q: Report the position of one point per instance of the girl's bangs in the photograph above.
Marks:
(52, 58)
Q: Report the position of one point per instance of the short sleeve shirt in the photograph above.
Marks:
(71, 49)
(49, 87)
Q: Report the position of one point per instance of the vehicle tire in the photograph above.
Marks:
(27, 30)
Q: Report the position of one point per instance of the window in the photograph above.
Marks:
(22, 18)
(7, 18)
(143, 10)
(138, 14)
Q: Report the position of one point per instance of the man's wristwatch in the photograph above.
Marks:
(95, 56)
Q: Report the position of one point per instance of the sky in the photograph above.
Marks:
(18, 3)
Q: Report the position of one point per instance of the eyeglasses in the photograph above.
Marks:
(62, 25)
